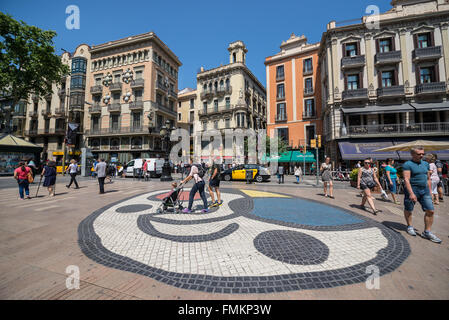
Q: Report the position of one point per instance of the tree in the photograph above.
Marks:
(28, 63)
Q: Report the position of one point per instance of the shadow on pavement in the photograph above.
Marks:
(395, 226)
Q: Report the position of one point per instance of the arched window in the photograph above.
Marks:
(234, 57)
(227, 84)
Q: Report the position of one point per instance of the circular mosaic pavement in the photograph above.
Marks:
(256, 242)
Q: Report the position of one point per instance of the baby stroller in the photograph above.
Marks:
(172, 200)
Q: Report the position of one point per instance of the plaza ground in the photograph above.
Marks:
(39, 240)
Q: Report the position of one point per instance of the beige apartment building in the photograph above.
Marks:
(47, 117)
(229, 97)
(386, 84)
(133, 84)
(186, 113)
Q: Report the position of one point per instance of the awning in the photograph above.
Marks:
(405, 155)
(361, 149)
(10, 143)
(298, 156)
(378, 109)
(431, 106)
(284, 157)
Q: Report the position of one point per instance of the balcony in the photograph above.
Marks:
(280, 97)
(280, 77)
(59, 131)
(207, 93)
(308, 91)
(114, 107)
(308, 71)
(59, 112)
(383, 58)
(95, 109)
(136, 105)
(429, 53)
(391, 92)
(430, 88)
(139, 130)
(76, 108)
(136, 147)
(309, 115)
(115, 87)
(19, 114)
(223, 90)
(46, 113)
(161, 108)
(352, 62)
(31, 132)
(212, 111)
(355, 95)
(282, 117)
(172, 94)
(160, 86)
(33, 114)
(96, 89)
(417, 129)
(138, 83)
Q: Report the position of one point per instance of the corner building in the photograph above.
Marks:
(133, 85)
(386, 85)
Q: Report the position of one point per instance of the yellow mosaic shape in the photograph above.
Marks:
(262, 194)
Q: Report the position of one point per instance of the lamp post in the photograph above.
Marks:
(165, 133)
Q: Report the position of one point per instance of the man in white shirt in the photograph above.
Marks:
(101, 174)
(73, 170)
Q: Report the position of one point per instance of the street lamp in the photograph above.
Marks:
(165, 133)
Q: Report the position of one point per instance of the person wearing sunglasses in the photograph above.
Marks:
(367, 180)
(417, 189)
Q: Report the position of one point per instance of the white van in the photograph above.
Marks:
(154, 167)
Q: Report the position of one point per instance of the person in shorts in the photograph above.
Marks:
(391, 179)
(214, 183)
(366, 181)
(440, 167)
(417, 189)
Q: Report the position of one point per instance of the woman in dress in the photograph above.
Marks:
(326, 177)
(49, 173)
(367, 180)
(434, 178)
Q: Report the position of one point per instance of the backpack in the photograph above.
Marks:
(445, 168)
(201, 170)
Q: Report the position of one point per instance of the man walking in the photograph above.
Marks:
(417, 189)
(281, 174)
(440, 166)
(214, 183)
(101, 174)
(73, 170)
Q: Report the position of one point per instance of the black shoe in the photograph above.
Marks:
(67, 186)
(77, 187)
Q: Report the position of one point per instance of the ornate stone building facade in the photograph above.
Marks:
(386, 83)
(229, 97)
(133, 90)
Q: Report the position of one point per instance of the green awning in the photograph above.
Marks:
(299, 157)
(284, 157)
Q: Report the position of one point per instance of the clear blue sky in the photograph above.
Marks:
(198, 32)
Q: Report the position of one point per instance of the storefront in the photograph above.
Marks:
(13, 150)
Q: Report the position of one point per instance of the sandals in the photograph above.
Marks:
(375, 212)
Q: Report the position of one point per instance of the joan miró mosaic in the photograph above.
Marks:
(256, 242)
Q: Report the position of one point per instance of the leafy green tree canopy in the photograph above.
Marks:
(28, 63)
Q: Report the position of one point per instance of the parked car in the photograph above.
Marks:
(154, 167)
(239, 173)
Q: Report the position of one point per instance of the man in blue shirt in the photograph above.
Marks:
(417, 189)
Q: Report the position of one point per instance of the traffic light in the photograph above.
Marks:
(313, 143)
(301, 149)
(319, 141)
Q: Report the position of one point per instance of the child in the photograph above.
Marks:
(172, 196)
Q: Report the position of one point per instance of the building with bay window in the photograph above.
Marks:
(386, 85)
(132, 86)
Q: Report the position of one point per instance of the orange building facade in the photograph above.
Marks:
(294, 92)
